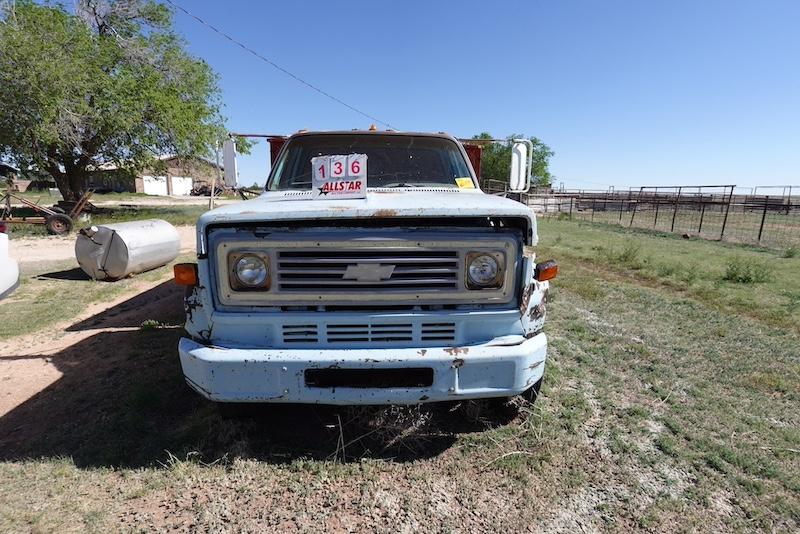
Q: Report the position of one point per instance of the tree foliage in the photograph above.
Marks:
(496, 159)
(110, 83)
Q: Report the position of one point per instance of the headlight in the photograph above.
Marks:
(485, 270)
(249, 271)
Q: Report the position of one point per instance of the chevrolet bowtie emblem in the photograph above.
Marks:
(368, 272)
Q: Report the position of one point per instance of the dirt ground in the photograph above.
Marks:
(57, 248)
(35, 366)
(157, 201)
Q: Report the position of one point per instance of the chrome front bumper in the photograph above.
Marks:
(499, 368)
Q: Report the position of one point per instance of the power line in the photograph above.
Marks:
(275, 65)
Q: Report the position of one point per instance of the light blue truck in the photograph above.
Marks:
(421, 289)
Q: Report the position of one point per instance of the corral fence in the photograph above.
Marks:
(710, 212)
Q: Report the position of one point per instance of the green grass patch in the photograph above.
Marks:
(745, 280)
(177, 215)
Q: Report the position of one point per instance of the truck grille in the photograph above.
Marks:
(367, 270)
(370, 333)
(365, 267)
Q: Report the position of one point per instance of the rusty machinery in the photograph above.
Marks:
(55, 219)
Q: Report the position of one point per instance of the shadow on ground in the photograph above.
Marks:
(68, 274)
(122, 402)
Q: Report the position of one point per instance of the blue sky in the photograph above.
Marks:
(626, 92)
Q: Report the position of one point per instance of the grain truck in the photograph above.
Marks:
(372, 270)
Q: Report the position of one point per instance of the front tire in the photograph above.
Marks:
(235, 411)
(509, 407)
(532, 393)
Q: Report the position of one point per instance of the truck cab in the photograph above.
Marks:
(372, 270)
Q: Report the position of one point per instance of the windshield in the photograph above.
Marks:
(392, 160)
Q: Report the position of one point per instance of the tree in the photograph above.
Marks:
(496, 159)
(110, 83)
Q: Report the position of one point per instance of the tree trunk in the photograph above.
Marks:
(72, 180)
(63, 185)
(70, 185)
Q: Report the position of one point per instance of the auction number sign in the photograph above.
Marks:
(339, 176)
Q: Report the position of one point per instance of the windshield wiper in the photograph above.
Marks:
(400, 184)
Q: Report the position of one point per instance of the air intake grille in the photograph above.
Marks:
(301, 271)
(441, 332)
(301, 333)
(377, 333)
(369, 333)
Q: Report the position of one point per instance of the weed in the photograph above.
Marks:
(791, 252)
(742, 271)
(628, 257)
(666, 444)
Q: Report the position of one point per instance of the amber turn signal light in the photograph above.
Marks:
(546, 270)
(185, 274)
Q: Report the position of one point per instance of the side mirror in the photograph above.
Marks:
(229, 162)
(519, 179)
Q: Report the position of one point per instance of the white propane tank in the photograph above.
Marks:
(114, 251)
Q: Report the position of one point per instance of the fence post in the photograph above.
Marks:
(702, 214)
(620, 210)
(570, 208)
(675, 211)
(725, 219)
(658, 203)
(635, 204)
(594, 205)
(763, 217)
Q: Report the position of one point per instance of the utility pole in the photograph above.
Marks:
(214, 179)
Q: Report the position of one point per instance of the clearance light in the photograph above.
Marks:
(546, 270)
(185, 274)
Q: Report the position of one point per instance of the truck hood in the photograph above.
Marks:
(396, 202)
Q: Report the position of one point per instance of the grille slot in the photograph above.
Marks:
(441, 332)
(413, 270)
(302, 333)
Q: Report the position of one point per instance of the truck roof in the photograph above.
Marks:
(441, 135)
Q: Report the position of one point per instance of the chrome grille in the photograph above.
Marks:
(305, 271)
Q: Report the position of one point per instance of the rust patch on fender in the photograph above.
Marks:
(422, 352)
(205, 335)
(458, 362)
(192, 301)
(526, 298)
(455, 351)
(385, 213)
(537, 312)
